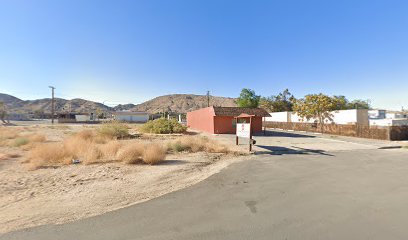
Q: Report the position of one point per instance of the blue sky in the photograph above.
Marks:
(131, 51)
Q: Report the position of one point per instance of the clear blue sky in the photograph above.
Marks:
(130, 51)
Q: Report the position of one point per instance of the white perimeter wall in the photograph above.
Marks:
(351, 116)
(278, 117)
(388, 122)
(132, 118)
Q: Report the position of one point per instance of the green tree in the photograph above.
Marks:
(342, 103)
(359, 104)
(316, 106)
(248, 98)
(278, 103)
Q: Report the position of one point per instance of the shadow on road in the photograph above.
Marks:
(277, 150)
(284, 134)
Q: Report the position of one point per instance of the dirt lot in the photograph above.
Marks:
(65, 193)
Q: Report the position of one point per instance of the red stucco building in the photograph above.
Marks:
(217, 120)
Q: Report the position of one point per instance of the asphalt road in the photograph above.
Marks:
(360, 194)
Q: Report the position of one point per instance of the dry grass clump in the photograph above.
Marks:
(110, 150)
(48, 154)
(76, 146)
(154, 153)
(131, 153)
(197, 144)
(20, 141)
(114, 130)
(92, 155)
(12, 137)
(8, 133)
(35, 137)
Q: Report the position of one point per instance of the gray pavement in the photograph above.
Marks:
(355, 194)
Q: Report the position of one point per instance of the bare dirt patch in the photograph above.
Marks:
(63, 193)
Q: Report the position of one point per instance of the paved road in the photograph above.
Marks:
(359, 194)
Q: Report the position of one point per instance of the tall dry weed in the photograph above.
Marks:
(92, 155)
(48, 154)
(131, 153)
(110, 150)
(154, 153)
(197, 144)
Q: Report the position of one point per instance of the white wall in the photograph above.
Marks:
(388, 122)
(278, 117)
(351, 116)
(132, 118)
(82, 118)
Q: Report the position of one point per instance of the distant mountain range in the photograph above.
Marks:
(179, 103)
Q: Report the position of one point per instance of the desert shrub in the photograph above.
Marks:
(131, 153)
(114, 130)
(36, 138)
(86, 134)
(163, 126)
(7, 133)
(48, 154)
(92, 155)
(197, 144)
(110, 150)
(76, 146)
(177, 146)
(154, 153)
(20, 141)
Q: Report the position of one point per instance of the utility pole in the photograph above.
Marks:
(52, 104)
(208, 98)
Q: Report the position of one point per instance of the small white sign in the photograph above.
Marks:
(243, 130)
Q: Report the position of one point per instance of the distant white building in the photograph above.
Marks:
(388, 118)
(389, 122)
(395, 115)
(129, 116)
(377, 113)
(352, 116)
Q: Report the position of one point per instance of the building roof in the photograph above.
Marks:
(236, 111)
(130, 113)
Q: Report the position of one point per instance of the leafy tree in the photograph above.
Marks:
(266, 103)
(315, 106)
(359, 104)
(248, 98)
(280, 103)
(342, 103)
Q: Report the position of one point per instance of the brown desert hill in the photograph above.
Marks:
(182, 103)
(16, 105)
(179, 103)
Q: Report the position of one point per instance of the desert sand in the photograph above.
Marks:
(61, 194)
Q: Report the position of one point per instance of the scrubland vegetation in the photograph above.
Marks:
(109, 142)
(197, 144)
(14, 138)
(163, 126)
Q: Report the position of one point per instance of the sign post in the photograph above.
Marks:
(244, 130)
